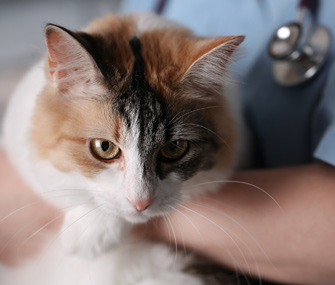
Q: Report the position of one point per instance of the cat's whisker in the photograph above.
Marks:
(169, 231)
(32, 204)
(214, 133)
(196, 134)
(100, 217)
(13, 236)
(220, 212)
(189, 220)
(81, 217)
(175, 118)
(200, 235)
(97, 220)
(83, 232)
(182, 239)
(74, 222)
(235, 262)
(10, 239)
(69, 190)
(38, 230)
(174, 237)
(243, 183)
(20, 209)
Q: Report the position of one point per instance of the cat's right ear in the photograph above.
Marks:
(70, 66)
(209, 59)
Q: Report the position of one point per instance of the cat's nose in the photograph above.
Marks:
(141, 205)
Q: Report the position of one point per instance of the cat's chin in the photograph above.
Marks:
(137, 218)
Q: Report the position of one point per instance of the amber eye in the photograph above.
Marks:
(104, 149)
(175, 150)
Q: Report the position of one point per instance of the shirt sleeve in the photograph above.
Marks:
(324, 123)
(325, 150)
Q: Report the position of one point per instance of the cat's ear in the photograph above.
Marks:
(70, 66)
(210, 59)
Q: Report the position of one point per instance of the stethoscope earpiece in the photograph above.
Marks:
(299, 52)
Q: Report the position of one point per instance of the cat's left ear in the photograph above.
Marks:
(71, 67)
(210, 59)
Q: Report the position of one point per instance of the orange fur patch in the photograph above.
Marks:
(62, 129)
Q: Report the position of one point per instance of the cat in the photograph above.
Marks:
(124, 117)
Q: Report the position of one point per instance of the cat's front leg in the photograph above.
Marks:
(87, 232)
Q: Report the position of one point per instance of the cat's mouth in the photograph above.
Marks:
(137, 218)
(144, 216)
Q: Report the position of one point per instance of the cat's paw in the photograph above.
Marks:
(87, 233)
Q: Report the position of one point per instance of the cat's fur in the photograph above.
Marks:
(141, 82)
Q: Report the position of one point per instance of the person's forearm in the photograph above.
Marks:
(25, 218)
(290, 239)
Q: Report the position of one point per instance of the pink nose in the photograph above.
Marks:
(141, 205)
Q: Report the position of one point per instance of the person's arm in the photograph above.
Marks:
(243, 228)
(25, 219)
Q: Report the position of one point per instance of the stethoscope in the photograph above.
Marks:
(299, 49)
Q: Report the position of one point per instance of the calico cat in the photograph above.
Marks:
(122, 119)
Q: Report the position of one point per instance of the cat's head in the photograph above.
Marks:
(135, 113)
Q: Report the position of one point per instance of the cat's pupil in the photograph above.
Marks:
(105, 145)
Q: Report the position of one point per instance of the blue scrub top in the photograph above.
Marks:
(291, 125)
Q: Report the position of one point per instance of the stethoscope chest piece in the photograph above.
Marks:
(298, 53)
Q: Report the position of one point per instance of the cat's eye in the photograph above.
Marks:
(104, 149)
(175, 150)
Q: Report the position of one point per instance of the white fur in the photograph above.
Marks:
(134, 262)
(87, 233)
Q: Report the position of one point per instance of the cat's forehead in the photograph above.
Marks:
(116, 43)
(142, 69)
